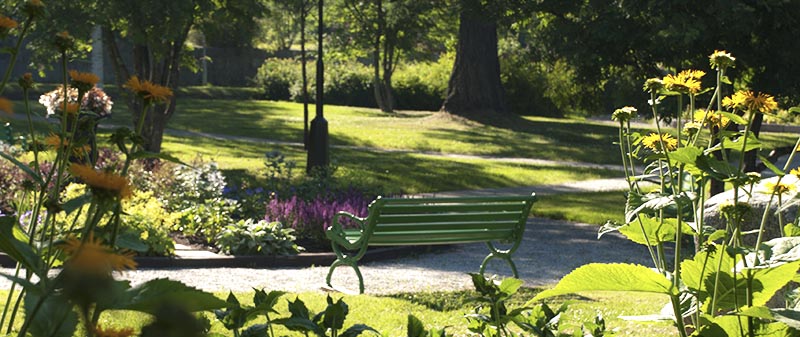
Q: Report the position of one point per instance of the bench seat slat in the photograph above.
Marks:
(411, 237)
(440, 208)
(457, 200)
(451, 225)
(448, 217)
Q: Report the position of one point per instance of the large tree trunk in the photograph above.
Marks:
(474, 86)
(379, 86)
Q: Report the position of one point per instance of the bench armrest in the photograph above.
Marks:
(336, 232)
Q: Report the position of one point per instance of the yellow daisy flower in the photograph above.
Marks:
(624, 114)
(34, 8)
(6, 105)
(7, 24)
(761, 102)
(655, 142)
(653, 84)
(147, 90)
(737, 100)
(721, 59)
(111, 332)
(57, 143)
(685, 82)
(93, 257)
(102, 182)
(710, 118)
(778, 188)
(83, 81)
(64, 41)
(796, 172)
(26, 81)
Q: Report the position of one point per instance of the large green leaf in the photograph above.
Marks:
(739, 326)
(51, 315)
(780, 250)
(151, 295)
(610, 277)
(786, 316)
(357, 329)
(415, 328)
(767, 281)
(33, 174)
(647, 230)
(335, 314)
(11, 243)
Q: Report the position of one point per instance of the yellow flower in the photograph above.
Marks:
(761, 102)
(737, 100)
(64, 41)
(711, 118)
(147, 90)
(6, 105)
(653, 85)
(83, 81)
(624, 114)
(685, 82)
(7, 24)
(796, 172)
(57, 143)
(721, 59)
(778, 188)
(26, 81)
(111, 332)
(102, 183)
(93, 257)
(655, 142)
(34, 8)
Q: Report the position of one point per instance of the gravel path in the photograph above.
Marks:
(550, 250)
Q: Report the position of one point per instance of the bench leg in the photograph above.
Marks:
(352, 264)
(504, 257)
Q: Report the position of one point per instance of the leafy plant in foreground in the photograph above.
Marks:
(235, 316)
(247, 237)
(327, 323)
(724, 288)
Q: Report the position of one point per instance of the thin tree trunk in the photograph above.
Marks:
(377, 83)
(304, 71)
(474, 86)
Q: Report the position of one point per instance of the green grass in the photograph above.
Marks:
(591, 208)
(388, 314)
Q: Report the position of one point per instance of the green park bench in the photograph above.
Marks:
(429, 221)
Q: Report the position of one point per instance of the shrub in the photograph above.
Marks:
(276, 77)
(310, 218)
(11, 178)
(246, 237)
(146, 226)
(423, 85)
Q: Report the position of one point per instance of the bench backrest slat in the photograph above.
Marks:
(398, 221)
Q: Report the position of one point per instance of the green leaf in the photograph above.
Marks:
(648, 230)
(12, 245)
(151, 295)
(356, 330)
(794, 109)
(76, 203)
(415, 328)
(265, 302)
(685, 155)
(335, 314)
(733, 326)
(610, 277)
(298, 309)
(734, 118)
(771, 167)
(791, 230)
(33, 175)
(767, 281)
(509, 286)
(152, 155)
(54, 316)
(717, 169)
(257, 330)
(786, 316)
(299, 324)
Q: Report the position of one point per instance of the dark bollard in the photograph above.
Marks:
(318, 153)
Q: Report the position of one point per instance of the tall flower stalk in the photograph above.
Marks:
(726, 281)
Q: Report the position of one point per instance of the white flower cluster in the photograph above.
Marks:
(95, 100)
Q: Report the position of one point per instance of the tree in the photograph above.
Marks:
(475, 87)
(388, 29)
(234, 25)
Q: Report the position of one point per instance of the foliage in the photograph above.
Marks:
(422, 85)
(147, 225)
(88, 248)
(310, 218)
(277, 77)
(247, 237)
(235, 315)
(723, 289)
(327, 323)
